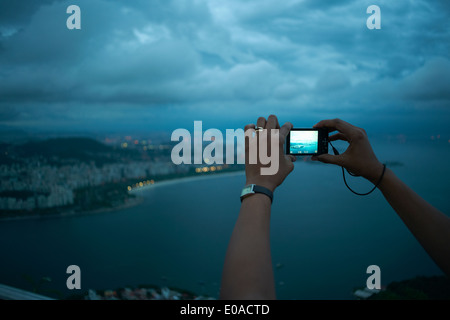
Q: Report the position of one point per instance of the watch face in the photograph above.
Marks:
(246, 190)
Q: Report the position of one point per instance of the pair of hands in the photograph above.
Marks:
(359, 157)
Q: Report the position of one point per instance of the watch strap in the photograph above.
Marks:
(257, 189)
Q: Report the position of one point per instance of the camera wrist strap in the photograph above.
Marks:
(336, 152)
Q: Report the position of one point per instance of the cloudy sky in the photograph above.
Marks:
(159, 65)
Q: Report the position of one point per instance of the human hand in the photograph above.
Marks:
(359, 157)
(253, 171)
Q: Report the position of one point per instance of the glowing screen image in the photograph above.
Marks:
(303, 142)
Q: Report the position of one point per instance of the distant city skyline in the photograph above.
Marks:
(146, 66)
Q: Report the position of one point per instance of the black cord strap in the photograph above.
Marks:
(364, 194)
(355, 175)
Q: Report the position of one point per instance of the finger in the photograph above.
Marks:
(336, 124)
(285, 129)
(278, 123)
(338, 136)
(272, 122)
(328, 158)
(250, 143)
(261, 122)
(292, 158)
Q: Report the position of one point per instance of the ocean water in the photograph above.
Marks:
(323, 236)
(303, 147)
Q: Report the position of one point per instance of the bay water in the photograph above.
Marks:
(323, 237)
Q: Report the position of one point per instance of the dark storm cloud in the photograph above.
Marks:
(431, 82)
(278, 55)
(17, 13)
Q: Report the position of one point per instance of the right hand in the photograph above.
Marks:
(359, 157)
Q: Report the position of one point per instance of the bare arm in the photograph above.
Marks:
(247, 272)
(430, 226)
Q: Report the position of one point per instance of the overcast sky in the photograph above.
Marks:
(159, 65)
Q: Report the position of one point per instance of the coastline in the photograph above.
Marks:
(169, 182)
(131, 202)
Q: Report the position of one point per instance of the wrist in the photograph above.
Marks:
(258, 197)
(262, 183)
(388, 177)
(375, 173)
(254, 189)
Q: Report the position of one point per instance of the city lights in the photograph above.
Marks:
(141, 184)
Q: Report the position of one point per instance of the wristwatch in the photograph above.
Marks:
(253, 188)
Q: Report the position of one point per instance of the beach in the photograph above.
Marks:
(165, 183)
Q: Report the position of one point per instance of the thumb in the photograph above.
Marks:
(328, 158)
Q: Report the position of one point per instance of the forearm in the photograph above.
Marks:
(248, 270)
(430, 226)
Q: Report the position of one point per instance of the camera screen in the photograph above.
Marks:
(304, 142)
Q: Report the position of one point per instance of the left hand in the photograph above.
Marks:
(253, 171)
